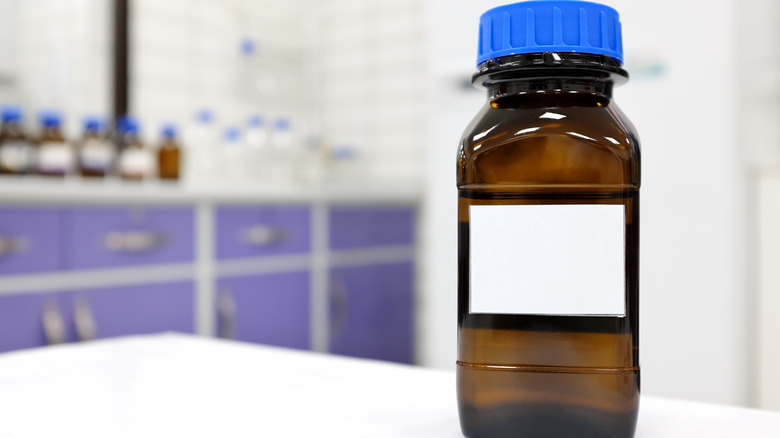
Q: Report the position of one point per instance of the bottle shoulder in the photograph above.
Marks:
(549, 144)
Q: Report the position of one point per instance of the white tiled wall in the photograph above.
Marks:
(56, 55)
(372, 66)
(348, 72)
(186, 56)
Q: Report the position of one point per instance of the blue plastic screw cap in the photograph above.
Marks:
(256, 121)
(128, 125)
(50, 118)
(204, 116)
(550, 26)
(231, 134)
(282, 124)
(168, 130)
(94, 123)
(11, 113)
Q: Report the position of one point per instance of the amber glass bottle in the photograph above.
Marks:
(97, 154)
(135, 162)
(548, 181)
(16, 151)
(169, 155)
(54, 156)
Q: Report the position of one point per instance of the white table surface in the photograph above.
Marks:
(184, 386)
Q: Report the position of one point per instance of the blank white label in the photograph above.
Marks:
(547, 259)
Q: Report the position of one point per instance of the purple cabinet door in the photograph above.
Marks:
(129, 310)
(360, 227)
(21, 320)
(268, 309)
(371, 311)
(115, 237)
(260, 231)
(29, 240)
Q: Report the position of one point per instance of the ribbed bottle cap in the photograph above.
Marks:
(550, 26)
(50, 118)
(168, 130)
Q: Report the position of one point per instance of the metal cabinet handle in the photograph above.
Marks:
(53, 323)
(13, 245)
(261, 235)
(134, 241)
(339, 307)
(84, 320)
(226, 307)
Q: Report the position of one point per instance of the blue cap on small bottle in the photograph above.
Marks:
(550, 26)
(168, 131)
(128, 125)
(204, 116)
(256, 121)
(11, 113)
(50, 118)
(94, 123)
(231, 134)
(282, 124)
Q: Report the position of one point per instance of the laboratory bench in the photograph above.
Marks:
(189, 386)
(328, 267)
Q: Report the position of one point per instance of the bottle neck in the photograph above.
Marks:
(547, 75)
(551, 88)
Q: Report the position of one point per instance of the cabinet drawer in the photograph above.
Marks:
(115, 237)
(268, 309)
(29, 240)
(21, 320)
(360, 227)
(371, 311)
(259, 231)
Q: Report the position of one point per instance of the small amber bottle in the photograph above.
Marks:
(16, 150)
(97, 154)
(548, 180)
(54, 156)
(135, 162)
(169, 155)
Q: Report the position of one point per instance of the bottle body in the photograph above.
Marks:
(55, 156)
(549, 170)
(135, 162)
(96, 154)
(16, 151)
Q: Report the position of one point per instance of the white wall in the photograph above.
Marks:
(694, 304)
(60, 58)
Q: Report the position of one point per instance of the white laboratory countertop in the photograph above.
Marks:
(75, 190)
(186, 386)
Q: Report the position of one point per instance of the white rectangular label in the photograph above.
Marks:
(547, 259)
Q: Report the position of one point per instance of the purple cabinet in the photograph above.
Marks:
(21, 320)
(115, 237)
(262, 231)
(29, 240)
(360, 227)
(130, 310)
(371, 311)
(268, 309)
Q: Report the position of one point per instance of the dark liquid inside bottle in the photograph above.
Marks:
(552, 141)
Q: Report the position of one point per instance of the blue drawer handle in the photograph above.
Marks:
(134, 241)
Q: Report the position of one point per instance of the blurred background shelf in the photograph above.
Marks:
(41, 190)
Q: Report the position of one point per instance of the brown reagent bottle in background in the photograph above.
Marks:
(135, 162)
(96, 154)
(169, 155)
(548, 180)
(54, 155)
(16, 150)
